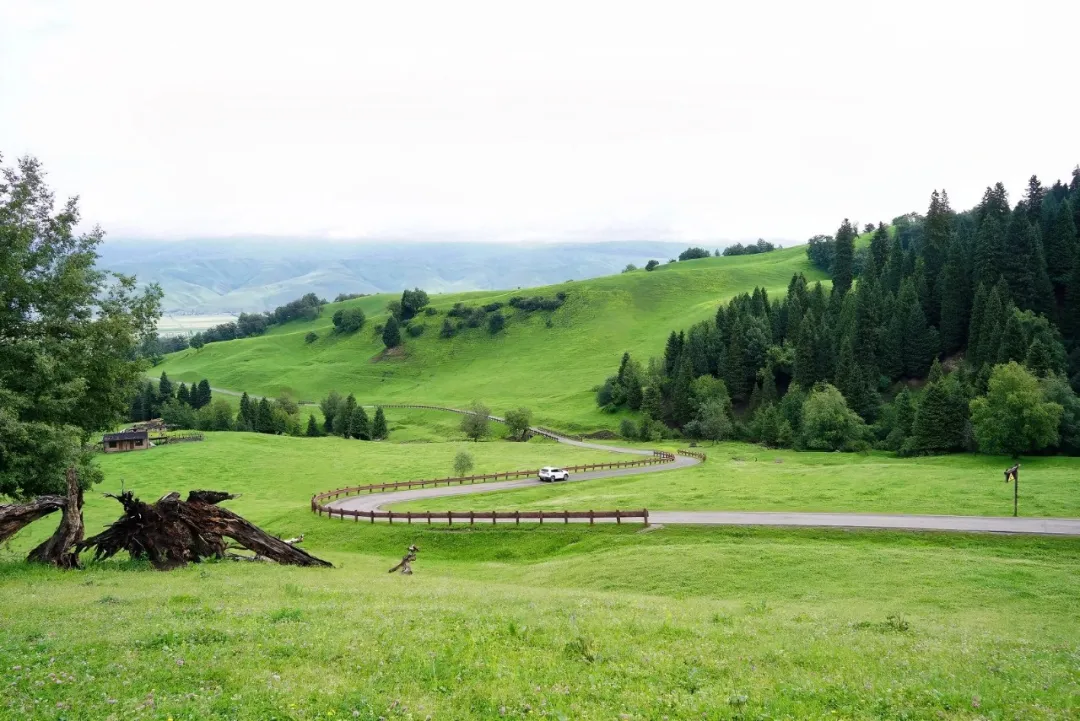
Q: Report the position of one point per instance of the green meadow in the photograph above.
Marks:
(548, 361)
(539, 622)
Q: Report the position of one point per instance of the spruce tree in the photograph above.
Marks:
(379, 430)
(1039, 360)
(843, 259)
(735, 370)
(204, 393)
(1014, 346)
(805, 369)
(769, 394)
(344, 418)
(955, 296)
(264, 417)
(879, 247)
(245, 420)
(903, 419)
(868, 323)
(1033, 199)
(165, 388)
(893, 272)
(989, 260)
(938, 230)
(940, 419)
(312, 427)
(1061, 249)
(974, 349)
(391, 335)
(936, 372)
(682, 402)
(672, 352)
(994, 318)
(920, 343)
(360, 427)
(1018, 266)
(182, 394)
(994, 204)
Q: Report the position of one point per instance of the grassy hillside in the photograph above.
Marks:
(549, 361)
(531, 622)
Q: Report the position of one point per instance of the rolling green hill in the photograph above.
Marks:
(549, 361)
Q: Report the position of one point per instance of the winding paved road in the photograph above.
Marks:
(977, 524)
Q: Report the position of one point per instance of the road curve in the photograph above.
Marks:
(899, 522)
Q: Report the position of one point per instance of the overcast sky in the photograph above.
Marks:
(506, 120)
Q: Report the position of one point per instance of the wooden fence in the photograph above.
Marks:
(316, 500)
(691, 454)
(494, 516)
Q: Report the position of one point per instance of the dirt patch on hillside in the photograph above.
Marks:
(389, 354)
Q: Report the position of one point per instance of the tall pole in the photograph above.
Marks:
(1016, 491)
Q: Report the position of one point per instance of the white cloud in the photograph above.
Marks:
(500, 120)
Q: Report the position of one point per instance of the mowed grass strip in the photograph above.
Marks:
(677, 624)
(548, 361)
(744, 477)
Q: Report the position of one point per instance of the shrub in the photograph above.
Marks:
(447, 329)
(311, 337)
(630, 268)
(828, 424)
(415, 330)
(348, 320)
(627, 429)
(537, 302)
(652, 264)
(429, 311)
(492, 307)
(391, 334)
(693, 254)
(496, 323)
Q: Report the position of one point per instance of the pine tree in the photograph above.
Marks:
(921, 343)
(682, 406)
(379, 430)
(1014, 346)
(936, 372)
(312, 427)
(903, 419)
(360, 427)
(893, 273)
(182, 394)
(994, 204)
(204, 393)
(344, 418)
(938, 230)
(805, 364)
(843, 259)
(672, 352)
(994, 318)
(1061, 249)
(245, 420)
(868, 324)
(391, 335)
(879, 247)
(974, 350)
(989, 258)
(1038, 360)
(769, 394)
(735, 370)
(1033, 199)
(1018, 266)
(853, 384)
(955, 299)
(165, 388)
(264, 417)
(940, 419)
(1044, 289)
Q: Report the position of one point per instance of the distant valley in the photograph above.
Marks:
(209, 276)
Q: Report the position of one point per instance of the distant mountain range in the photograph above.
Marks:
(255, 274)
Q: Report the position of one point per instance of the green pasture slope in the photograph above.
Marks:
(533, 622)
(549, 369)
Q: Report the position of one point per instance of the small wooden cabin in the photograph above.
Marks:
(129, 440)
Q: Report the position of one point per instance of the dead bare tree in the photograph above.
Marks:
(16, 516)
(172, 532)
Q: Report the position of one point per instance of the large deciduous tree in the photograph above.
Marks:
(69, 336)
(1014, 417)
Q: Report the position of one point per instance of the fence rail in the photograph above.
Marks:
(657, 458)
(691, 454)
(494, 516)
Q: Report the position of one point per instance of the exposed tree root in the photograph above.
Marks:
(15, 516)
(172, 532)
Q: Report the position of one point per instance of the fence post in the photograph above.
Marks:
(541, 518)
(590, 517)
(390, 516)
(493, 518)
(356, 516)
(408, 516)
(372, 516)
(449, 518)
(429, 518)
(566, 516)
(472, 517)
(618, 518)
(517, 518)
(646, 514)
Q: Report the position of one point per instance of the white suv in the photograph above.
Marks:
(551, 473)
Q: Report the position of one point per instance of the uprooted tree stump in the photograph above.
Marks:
(57, 549)
(172, 533)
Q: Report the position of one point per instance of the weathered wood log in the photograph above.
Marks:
(16, 516)
(172, 532)
(59, 548)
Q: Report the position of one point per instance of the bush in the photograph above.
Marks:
(492, 307)
(391, 335)
(496, 323)
(429, 311)
(415, 330)
(652, 264)
(447, 329)
(463, 463)
(828, 424)
(630, 268)
(537, 302)
(693, 254)
(627, 429)
(348, 320)
(311, 337)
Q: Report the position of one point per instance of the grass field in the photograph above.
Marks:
(550, 369)
(534, 622)
(739, 476)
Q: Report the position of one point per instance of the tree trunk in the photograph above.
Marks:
(173, 533)
(15, 516)
(59, 548)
